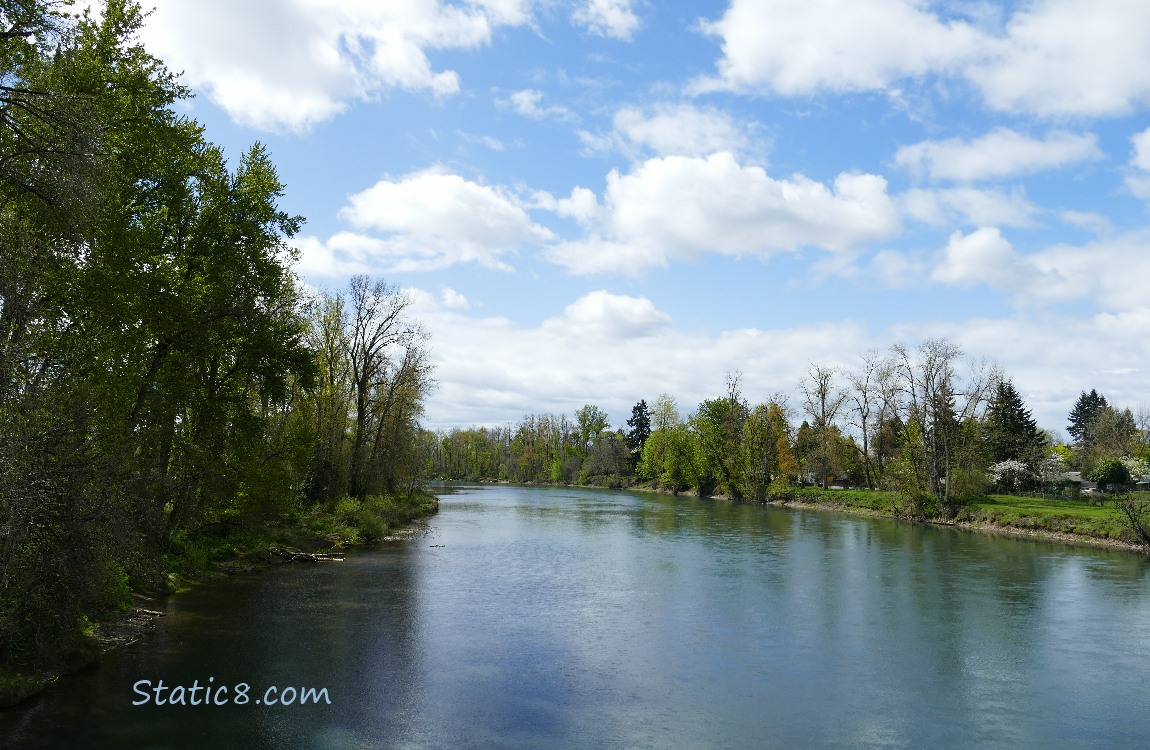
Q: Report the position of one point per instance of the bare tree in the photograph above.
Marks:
(822, 399)
(935, 407)
(386, 358)
(866, 397)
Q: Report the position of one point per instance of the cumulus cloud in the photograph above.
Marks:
(999, 154)
(289, 64)
(971, 206)
(422, 221)
(602, 315)
(453, 299)
(1049, 57)
(1059, 58)
(982, 257)
(1105, 272)
(675, 208)
(803, 46)
(608, 18)
(670, 129)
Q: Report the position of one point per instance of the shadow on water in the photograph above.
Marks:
(333, 626)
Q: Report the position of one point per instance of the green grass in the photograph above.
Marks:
(1007, 511)
(228, 547)
(1048, 514)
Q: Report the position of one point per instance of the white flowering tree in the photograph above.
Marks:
(1137, 467)
(1010, 475)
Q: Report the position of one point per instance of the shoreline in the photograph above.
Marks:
(129, 626)
(1019, 532)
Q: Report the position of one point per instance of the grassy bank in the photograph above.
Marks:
(228, 547)
(1070, 520)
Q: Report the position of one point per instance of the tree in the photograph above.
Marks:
(1083, 415)
(1011, 432)
(640, 430)
(718, 426)
(151, 342)
(822, 400)
(1115, 431)
(390, 376)
(866, 396)
(767, 454)
(936, 434)
(669, 458)
(590, 422)
(1109, 471)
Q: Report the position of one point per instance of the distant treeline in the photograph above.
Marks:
(913, 420)
(161, 372)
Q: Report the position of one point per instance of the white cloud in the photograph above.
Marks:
(610, 350)
(1048, 57)
(602, 315)
(492, 371)
(1139, 183)
(999, 154)
(1141, 142)
(671, 129)
(1052, 357)
(1059, 57)
(1088, 220)
(982, 257)
(675, 208)
(453, 299)
(609, 18)
(1107, 272)
(971, 206)
(289, 64)
(527, 103)
(423, 221)
(802, 46)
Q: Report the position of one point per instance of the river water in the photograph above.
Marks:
(560, 618)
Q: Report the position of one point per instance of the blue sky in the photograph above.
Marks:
(598, 201)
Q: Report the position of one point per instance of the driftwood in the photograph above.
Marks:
(294, 556)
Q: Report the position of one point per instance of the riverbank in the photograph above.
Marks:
(225, 549)
(1067, 521)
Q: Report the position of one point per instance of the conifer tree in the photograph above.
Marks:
(1084, 415)
(1012, 432)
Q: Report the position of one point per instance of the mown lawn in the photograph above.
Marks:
(1033, 513)
(1070, 516)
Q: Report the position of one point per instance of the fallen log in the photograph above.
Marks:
(296, 556)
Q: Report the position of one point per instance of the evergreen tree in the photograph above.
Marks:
(640, 429)
(1012, 433)
(1084, 415)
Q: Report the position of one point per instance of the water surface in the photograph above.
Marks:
(558, 618)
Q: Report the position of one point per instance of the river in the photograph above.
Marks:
(563, 618)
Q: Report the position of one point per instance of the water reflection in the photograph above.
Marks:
(565, 618)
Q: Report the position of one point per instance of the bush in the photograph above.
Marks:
(1109, 471)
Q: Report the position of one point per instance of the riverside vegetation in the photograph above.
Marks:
(169, 396)
(919, 434)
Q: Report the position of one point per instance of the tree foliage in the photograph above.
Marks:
(160, 371)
